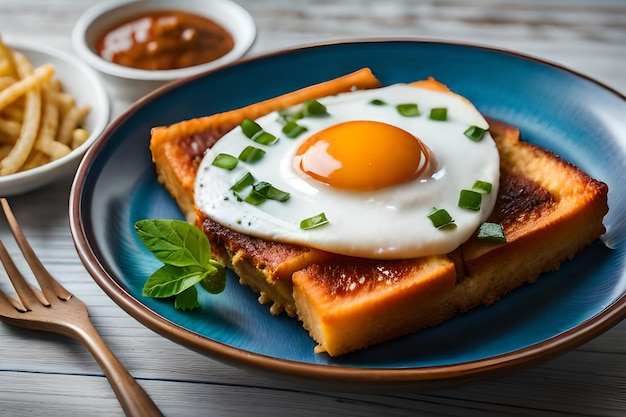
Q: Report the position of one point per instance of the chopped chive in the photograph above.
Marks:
(271, 192)
(254, 131)
(314, 108)
(225, 161)
(293, 130)
(250, 128)
(378, 102)
(439, 114)
(245, 181)
(469, 199)
(255, 198)
(263, 191)
(313, 222)
(251, 154)
(441, 219)
(274, 193)
(475, 133)
(491, 231)
(264, 138)
(408, 109)
(482, 187)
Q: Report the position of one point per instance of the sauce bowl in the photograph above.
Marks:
(104, 16)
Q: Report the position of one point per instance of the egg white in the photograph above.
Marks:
(391, 223)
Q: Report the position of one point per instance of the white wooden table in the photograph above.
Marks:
(42, 374)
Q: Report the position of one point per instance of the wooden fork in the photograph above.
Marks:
(54, 309)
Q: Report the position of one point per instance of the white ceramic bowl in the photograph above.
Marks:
(104, 15)
(86, 86)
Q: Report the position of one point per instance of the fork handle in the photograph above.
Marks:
(134, 400)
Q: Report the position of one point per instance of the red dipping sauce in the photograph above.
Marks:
(165, 40)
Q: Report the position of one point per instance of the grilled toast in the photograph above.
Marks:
(548, 208)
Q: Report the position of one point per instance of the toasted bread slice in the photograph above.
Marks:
(548, 208)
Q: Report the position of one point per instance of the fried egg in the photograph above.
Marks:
(358, 174)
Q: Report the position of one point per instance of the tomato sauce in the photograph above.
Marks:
(165, 40)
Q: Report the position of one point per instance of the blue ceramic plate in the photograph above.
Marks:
(553, 107)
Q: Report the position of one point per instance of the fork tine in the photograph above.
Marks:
(49, 286)
(22, 288)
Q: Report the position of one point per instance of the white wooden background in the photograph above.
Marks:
(42, 374)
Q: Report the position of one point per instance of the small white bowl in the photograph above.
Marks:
(105, 15)
(86, 86)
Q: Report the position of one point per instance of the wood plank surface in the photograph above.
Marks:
(42, 374)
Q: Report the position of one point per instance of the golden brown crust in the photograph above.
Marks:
(549, 210)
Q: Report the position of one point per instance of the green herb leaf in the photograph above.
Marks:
(439, 114)
(187, 300)
(492, 231)
(170, 280)
(408, 109)
(215, 283)
(314, 108)
(470, 200)
(245, 181)
(377, 102)
(174, 242)
(441, 219)
(255, 198)
(314, 221)
(251, 154)
(186, 253)
(475, 133)
(292, 130)
(482, 187)
(225, 161)
(250, 128)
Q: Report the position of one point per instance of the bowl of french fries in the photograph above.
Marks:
(52, 108)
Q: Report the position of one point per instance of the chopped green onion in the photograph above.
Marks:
(439, 114)
(254, 131)
(264, 138)
(225, 161)
(308, 108)
(469, 199)
(245, 181)
(255, 198)
(251, 154)
(482, 187)
(313, 222)
(408, 109)
(269, 191)
(293, 130)
(491, 231)
(250, 128)
(378, 102)
(475, 133)
(441, 219)
(274, 193)
(314, 108)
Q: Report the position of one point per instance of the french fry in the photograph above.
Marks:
(6, 56)
(39, 122)
(5, 81)
(36, 79)
(10, 128)
(71, 121)
(48, 130)
(32, 114)
(79, 136)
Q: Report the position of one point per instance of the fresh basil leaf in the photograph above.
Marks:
(215, 280)
(187, 300)
(174, 242)
(170, 280)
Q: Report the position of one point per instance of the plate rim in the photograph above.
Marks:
(322, 375)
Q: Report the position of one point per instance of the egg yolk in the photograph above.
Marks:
(362, 156)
